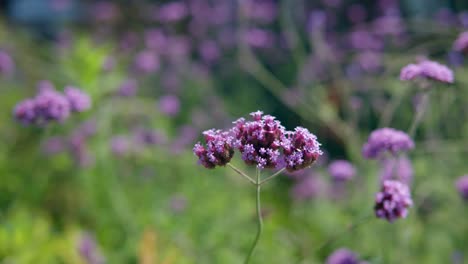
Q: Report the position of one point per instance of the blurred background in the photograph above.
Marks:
(119, 183)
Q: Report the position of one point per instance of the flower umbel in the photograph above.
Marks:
(218, 150)
(386, 140)
(393, 201)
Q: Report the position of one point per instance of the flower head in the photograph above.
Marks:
(25, 112)
(385, 140)
(427, 69)
(50, 105)
(462, 186)
(393, 200)
(342, 170)
(343, 256)
(259, 141)
(307, 187)
(300, 149)
(218, 150)
(461, 43)
(79, 100)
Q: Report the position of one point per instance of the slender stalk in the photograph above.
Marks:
(242, 174)
(259, 219)
(269, 178)
(419, 114)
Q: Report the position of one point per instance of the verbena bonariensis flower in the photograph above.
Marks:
(461, 43)
(128, 88)
(393, 200)
(259, 141)
(146, 62)
(50, 105)
(343, 256)
(427, 69)
(300, 149)
(462, 186)
(79, 100)
(25, 112)
(307, 187)
(169, 105)
(398, 168)
(218, 150)
(341, 170)
(386, 140)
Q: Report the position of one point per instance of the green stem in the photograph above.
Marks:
(419, 114)
(242, 174)
(259, 219)
(272, 176)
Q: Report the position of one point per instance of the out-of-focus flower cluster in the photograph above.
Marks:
(393, 200)
(50, 105)
(427, 69)
(262, 142)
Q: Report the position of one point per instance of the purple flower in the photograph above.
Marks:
(462, 186)
(79, 100)
(343, 256)
(385, 140)
(155, 39)
(25, 112)
(393, 201)
(263, 12)
(218, 150)
(398, 168)
(169, 105)
(7, 65)
(89, 251)
(45, 85)
(342, 170)
(104, 11)
(427, 69)
(461, 43)
(128, 88)
(50, 105)
(172, 12)
(300, 149)
(259, 141)
(258, 38)
(120, 145)
(148, 137)
(146, 62)
(365, 40)
(357, 13)
(369, 61)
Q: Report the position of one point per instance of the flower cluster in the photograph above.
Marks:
(393, 201)
(462, 186)
(300, 149)
(262, 142)
(343, 256)
(461, 43)
(51, 105)
(341, 170)
(218, 151)
(386, 140)
(427, 69)
(259, 141)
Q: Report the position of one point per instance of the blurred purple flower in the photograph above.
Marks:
(155, 39)
(369, 61)
(392, 25)
(258, 38)
(307, 188)
(169, 105)
(79, 101)
(209, 51)
(45, 85)
(120, 145)
(427, 69)
(462, 186)
(25, 112)
(7, 65)
(317, 20)
(398, 168)
(446, 17)
(455, 59)
(128, 88)
(89, 251)
(365, 40)
(129, 41)
(386, 140)
(178, 203)
(172, 12)
(260, 11)
(393, 201)
(343, 256)
(463, 18)
(186, 135)
(79, 151)
(461, 43)
(50, 105)
(357, 13)
(146, 62)
(341, 170)
(104, 11)
(148, 137)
